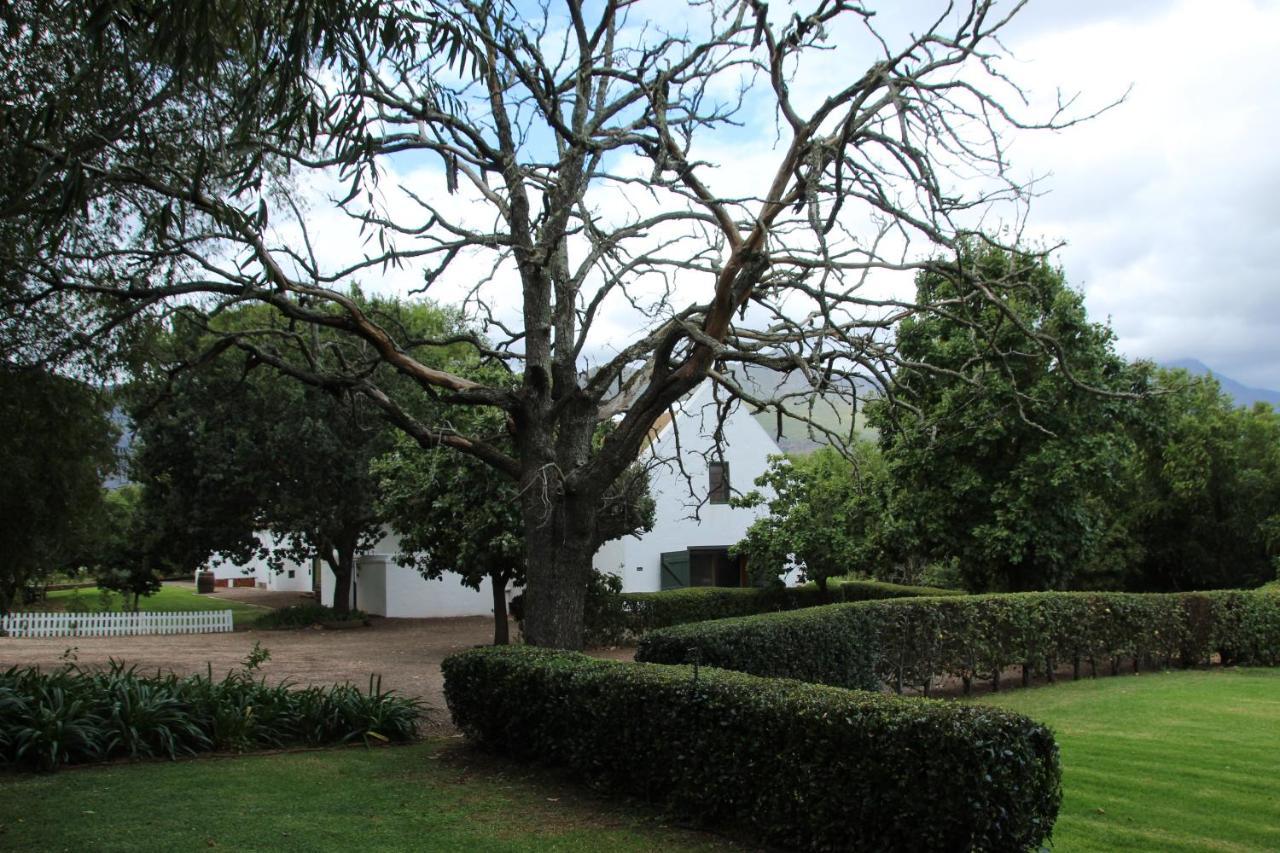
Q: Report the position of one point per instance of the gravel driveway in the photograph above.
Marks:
(405, 652)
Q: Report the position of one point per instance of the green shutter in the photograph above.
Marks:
(675, 570)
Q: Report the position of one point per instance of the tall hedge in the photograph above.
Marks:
(633, 614)
(911, 642)
(799, 765)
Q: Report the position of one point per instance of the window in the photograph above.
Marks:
(715, 567)
(701, 566)
(718, 474)
(292, 572)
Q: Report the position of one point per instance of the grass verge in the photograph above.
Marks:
(1172, 761)
(437, 795)
(171, 598)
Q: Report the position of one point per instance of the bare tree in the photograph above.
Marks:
(583, 153)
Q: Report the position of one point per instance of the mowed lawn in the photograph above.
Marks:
(171, 598)
(437, 795)
(1175, 761)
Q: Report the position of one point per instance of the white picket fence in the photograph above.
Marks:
(113, 624)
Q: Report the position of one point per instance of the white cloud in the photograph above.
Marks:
(1167, 203)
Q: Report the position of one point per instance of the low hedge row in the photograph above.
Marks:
(618, 617)
(800, 765)
(73, 716)
(306, 615)
(911, 642)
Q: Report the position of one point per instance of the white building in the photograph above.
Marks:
(690, 479)
(293, 576)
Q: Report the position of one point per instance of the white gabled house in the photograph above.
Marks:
(696, 459)
(293, 576)
(691, 478)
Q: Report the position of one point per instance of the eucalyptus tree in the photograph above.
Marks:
(569, 168)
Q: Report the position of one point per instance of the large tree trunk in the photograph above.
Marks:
(559, 545)
(498, 583)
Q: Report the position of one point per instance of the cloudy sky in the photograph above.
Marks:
(1168, 204)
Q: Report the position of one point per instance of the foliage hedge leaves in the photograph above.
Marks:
(910, 642)
(613, 617)
(801, 765)
(72, 716)
(306, 615)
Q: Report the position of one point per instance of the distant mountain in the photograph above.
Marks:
(832, 411)
(1242, 394)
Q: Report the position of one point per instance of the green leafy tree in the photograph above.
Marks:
(58, 447)
(1204, 506)
(452, 515)
(121, 552)
(226, 457)
(230, 448)
(1008, 448)
(824, 515)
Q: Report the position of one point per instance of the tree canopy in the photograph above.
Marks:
(1203, 494)
(452, 515)
(122, 552)
(1011, 459)
(231, 449)
(824, 516)
(58, 448)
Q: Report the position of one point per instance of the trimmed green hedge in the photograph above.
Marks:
(911, 642)
(800, 765)
(634, 614)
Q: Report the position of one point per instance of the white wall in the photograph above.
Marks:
(386, 588)
(371, 584)
(258, 569)
(679, 498)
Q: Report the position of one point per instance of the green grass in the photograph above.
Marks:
(1175, 761)
(436, 796)
(172, 598)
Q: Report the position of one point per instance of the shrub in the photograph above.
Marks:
(71, 716)
(604, 622)
(868, 590)
(631, 615)
(912, 641)
(798, 764)
(306, 615)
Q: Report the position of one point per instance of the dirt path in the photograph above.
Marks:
(272, 598)
(405, 652)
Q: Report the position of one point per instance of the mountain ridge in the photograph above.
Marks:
(1243, 394)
